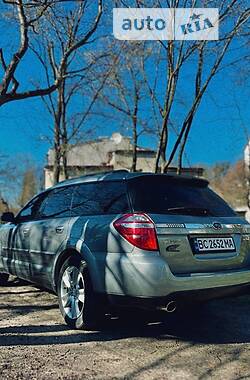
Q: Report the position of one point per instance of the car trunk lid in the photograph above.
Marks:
(224, 249)
(191, 222)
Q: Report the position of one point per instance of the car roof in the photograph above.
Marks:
(120, 175)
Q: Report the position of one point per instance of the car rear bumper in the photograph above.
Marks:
(148, 276)
(181, 298)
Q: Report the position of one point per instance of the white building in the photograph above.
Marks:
(106, 154)
(247, 156)
(247, 165)
(102, 154)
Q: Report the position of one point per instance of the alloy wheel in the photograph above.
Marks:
(72, 291)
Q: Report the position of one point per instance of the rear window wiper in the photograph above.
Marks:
(189, 211)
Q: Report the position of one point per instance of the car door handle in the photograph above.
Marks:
(59, 229)
(26, 231)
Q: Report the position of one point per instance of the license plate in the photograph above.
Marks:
(214, 244)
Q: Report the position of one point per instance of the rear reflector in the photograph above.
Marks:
(139, 230)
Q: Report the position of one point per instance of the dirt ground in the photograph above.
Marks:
(36, 344)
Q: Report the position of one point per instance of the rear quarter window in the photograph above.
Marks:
(100, 198)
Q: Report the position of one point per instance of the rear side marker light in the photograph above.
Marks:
(139, 230)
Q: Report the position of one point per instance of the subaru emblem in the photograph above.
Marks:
(217, 226)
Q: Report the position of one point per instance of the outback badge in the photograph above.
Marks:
(173, 248)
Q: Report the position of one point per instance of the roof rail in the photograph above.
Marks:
(113, 173)
(98, 175)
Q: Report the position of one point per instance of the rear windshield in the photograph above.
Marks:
(161, 195)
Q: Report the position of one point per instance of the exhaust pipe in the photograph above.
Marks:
(171, 307)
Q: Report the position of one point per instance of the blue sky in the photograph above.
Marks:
(218, 133)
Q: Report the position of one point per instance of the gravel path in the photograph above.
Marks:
(36, 344)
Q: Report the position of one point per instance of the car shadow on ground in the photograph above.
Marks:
(14, 282)
(218, 322)
(28, 288)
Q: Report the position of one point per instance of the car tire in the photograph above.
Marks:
(4, 277)
(80, 307)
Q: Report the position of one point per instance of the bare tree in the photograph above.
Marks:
(29, 186)
(229, 182)
(201, 86)
(32, 18)
(174, 57)
(18, 175)
(207, 67)
(123, 96)
(70, 107)
(62, 62)
(4, 206)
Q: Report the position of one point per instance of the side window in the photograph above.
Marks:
(112, 197)
(100, 198)
(30, 211)
(84, 200)
(57, 204)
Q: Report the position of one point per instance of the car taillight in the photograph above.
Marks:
(139, 230)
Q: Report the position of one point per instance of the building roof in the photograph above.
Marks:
(97, 153)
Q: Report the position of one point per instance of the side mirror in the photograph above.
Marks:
(8, 217)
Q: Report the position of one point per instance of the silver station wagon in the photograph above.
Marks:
(141, 239)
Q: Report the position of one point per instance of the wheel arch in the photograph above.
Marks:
(86, 255)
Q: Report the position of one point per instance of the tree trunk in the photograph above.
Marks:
(135, 134)
(187, 125)
(57, 136)
(64, 133)
(65, 164)
(169, 99)
(135, 139)
(161, 151)
(57, 155)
